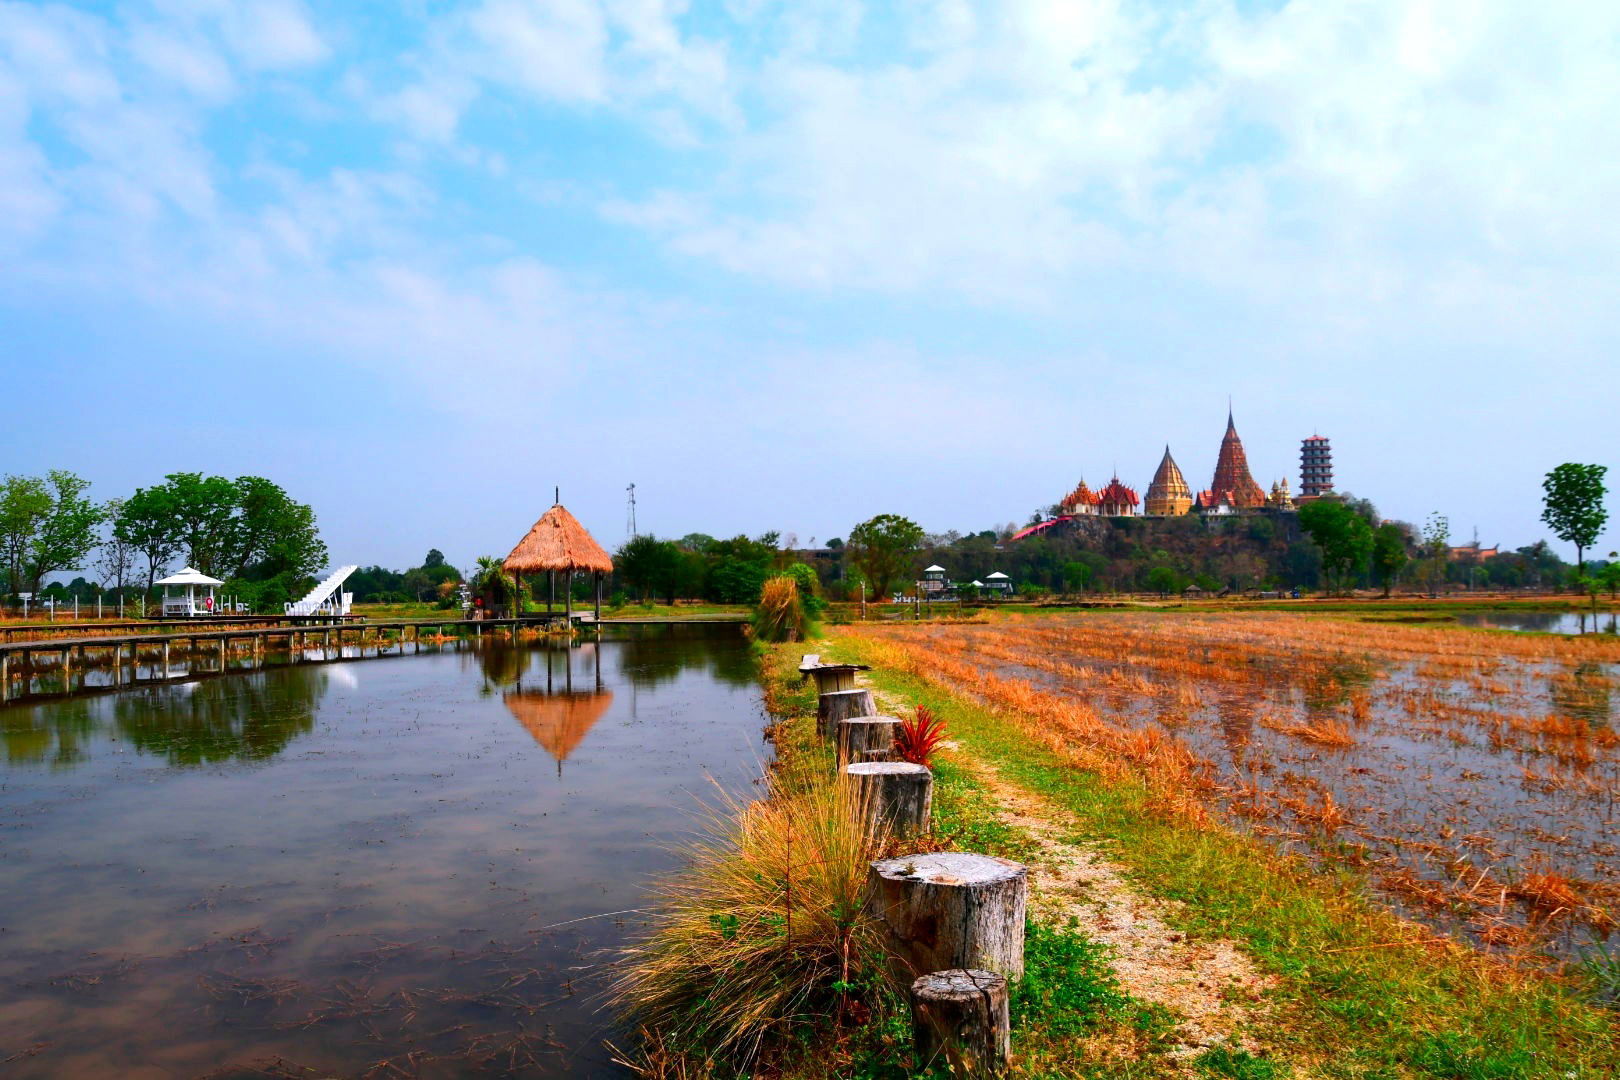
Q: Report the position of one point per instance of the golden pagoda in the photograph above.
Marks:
(1168, 493)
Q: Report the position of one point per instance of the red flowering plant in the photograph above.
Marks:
(919, 736)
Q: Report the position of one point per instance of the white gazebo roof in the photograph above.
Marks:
(998, 576)
(977, 583)
(935, 569)
(188, 576)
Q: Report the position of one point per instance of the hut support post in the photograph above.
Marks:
(551, 590)
(597, 616)
(568, 599)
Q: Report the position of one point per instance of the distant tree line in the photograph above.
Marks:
(248, 532)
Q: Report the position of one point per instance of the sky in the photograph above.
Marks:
(787, 265)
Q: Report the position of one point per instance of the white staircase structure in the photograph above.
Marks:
(324, 599)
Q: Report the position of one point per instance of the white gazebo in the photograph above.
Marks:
(999, 584)
(190, 603)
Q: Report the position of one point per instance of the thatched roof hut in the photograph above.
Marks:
(558, 542)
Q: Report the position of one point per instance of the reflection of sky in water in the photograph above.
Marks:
(228, 859)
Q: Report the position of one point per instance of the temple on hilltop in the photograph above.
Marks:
(1082, 500)
(1117, 500)
(1168, 493)
(1233, 486)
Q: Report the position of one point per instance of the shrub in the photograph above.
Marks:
(762, 935)
(780, 615)
(919, 736)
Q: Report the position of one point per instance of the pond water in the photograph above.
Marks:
(385, 867)
(1547, 622)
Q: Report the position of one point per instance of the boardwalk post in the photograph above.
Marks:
(959, 1018)
(5, 677)
(222, 640)
(945, 910)
(165, 660)
(895, 796)
(841, 705)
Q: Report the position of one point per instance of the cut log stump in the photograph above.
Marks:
(861, 734)
(841, 705)
(895, 796)
(959, 1018)
(945, 910)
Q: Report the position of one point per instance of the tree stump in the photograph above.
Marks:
(892, 795)
(841, 705)
(860, 734)
(959, 1017)
(946, 910)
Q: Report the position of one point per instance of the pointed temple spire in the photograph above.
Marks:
(1232, 477)
(1168, 493)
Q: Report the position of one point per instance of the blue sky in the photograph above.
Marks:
(788, 265)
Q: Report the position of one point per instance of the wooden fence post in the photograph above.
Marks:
(960, 1018)
(945, 910)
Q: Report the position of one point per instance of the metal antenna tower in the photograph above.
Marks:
(630, 516)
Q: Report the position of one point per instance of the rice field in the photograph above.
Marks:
(1473, 777)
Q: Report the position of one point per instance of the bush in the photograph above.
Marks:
(763, 935)
(780, 615)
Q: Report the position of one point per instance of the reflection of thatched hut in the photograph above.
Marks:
(558, 543)
(559, 722)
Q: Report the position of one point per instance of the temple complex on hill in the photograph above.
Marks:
(1232, 490)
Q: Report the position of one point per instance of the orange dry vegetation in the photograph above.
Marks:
(1471, 773)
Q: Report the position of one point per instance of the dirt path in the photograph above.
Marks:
(1209, 985)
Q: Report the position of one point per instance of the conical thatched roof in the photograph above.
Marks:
(558, 542)
(559, 722)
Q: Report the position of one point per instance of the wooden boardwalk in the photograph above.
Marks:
(212, 651)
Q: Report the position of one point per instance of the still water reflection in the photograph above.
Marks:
(1547, 622)
(331, 867)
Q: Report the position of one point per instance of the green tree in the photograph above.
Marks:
(1343, 536)
(202, 525)
(649, 566)
(1388, 554)
(1164, 580)
(1573, 506)
(46, 525)
(435, 557)
(272, 534)
(146, 523)
(24, 503)
(881, 548)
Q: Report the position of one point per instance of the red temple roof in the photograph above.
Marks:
(1117, 494)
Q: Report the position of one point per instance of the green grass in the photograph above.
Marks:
(1344, 1007)
(1068, 995)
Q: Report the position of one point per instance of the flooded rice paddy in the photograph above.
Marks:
(1546, 622)
(395, 867)
(1474, 777)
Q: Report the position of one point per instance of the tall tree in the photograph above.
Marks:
(881, 548)
(435, 557)
(204, 520)
(270, 534)
(1573, 506)
(1343, 535)
(47, 525)
(24, 503)
(146, 522)
(1388, 554)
